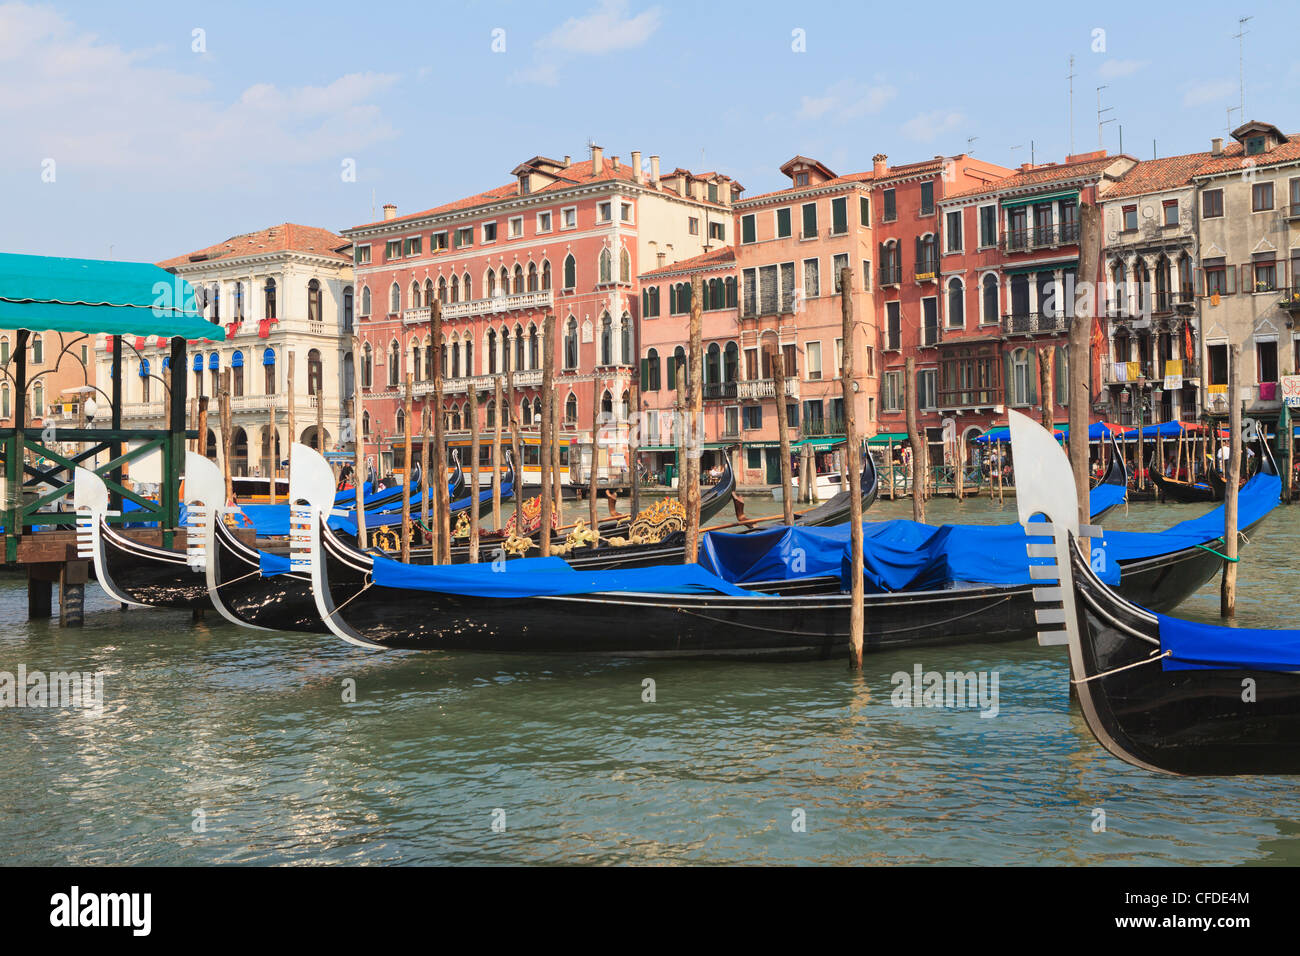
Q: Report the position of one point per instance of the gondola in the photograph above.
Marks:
(1160, 693)
(544, 605)
(129, 571)
(1116, 477)
(1189, 492)
(835, 510)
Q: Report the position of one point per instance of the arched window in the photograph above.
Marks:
(624, 266)
(268, 371)
(428, 293)
(606, 266)
(606, 340)
(347, 308)
(607, 404)
(537, 410)
(455, 356)
(1021, 378)
(216, 304)
(546, 275)
(239, 302)
(731, 362)
(1118, 289)
(394, 363)
(526, 412)
(236, 374)
(990, 297)
(1185, 287)
(956, 304)
(38, 400)
(455, 288)
(624, 406)
(570, 272)
(442, 357)
(465, 287)
(491, 413)
(491, 280)
(533, 357)
(349, 375)
(505, 281)
(532, 277)
(625, 339)
(367, 367)
(315, 309)
(365, 300)
(442, 289)
(519, 346)
(365, 424)
(415, 294)
(571, 410)
(650, 381)
(507, 363)
(469, 355)
(492, 351)
(394, 298)
(455, 418)
(712, 364)
(428, 358)
(571, 343)
(519, 279)
(401, 422)
(416, 366)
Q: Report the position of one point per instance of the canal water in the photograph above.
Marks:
(222, 745)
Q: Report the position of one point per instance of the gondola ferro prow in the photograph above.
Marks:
(205, 493)
(1045, 486)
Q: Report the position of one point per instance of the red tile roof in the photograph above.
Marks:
(575, 174)
(1154, 175)
(1234, 158)
(1044, 175)
(791, 190)
(716, 258)
(286, 237)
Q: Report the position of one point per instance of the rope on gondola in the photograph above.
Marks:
(364, 588)
(242, 577)
(898, 630)
(1206, 547)
(1115, 670)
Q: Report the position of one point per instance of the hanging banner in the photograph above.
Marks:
(1291, 390)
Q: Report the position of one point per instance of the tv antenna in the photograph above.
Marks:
(1240, 37)
(1102, 122)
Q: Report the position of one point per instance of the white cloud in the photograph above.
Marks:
(847, 100)
(605, 29)
(1114, 69)
(1208, 91)
(93, 106)
(929, 126)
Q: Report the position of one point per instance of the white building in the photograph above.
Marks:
(284, 295)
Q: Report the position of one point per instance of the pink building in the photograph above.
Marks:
(569, 238)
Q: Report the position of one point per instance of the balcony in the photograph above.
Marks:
(516, 301)
(927, 270)
(1291, 300)
(765, 388)
(524, 378)
(818, 427)
(719, 391)
(1040, 237)
(969, 398)
(264, 403)
(1291, 211)
(890, 275)
(1035, 323)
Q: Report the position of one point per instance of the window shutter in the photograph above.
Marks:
(1008, 380)
(1200, 282)
(1032, 375)
(672, 374)
(1230, 275)
(645, 374)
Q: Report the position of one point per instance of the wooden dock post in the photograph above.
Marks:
(595, 458)
(473, 475)
(203, 426)
(918, 444)
(783, 435)
(407, 453)
(73, 576)
(546, 435)
(694, 440)
(679, 412)
(496, 456)
(1228, 589)
(227, 440)
(512, 422)
(40, 601)
(557, 489)
(425, 421)
(442, 514)
(853, 461)
(1080, 339)
(634, 440)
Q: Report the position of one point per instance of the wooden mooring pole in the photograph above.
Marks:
(356, 412)
(853, 462)
(595, 457)
(1228, 589)
(227, 439)
(783, 437)
(546, 435)
(918, 442)
(694, 440)
(473, 475)
(408, 452)
(496, 456)
(442, 514)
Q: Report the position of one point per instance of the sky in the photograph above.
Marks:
(145, 130)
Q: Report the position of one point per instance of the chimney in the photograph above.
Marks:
(1216, 146)
(597, 160)
(879, 164)
(567, 159)
(654, 170)
(390, 211)
(613, 162)
(637, 175)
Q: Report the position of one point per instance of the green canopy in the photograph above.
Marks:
(823, 441)
(45, 293)
(886, 438)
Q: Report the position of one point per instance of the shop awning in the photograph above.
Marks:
(46, 293)
(823, 441)
(888, 438)
(1040, 198)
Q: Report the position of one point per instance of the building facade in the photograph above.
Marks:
(284, 294)
(562, 237)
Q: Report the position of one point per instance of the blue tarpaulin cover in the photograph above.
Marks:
(272, 564)
(1197, 646)
(1104, 497)
(541, 577)
(904, 555)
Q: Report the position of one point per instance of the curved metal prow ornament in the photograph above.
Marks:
(90, 499)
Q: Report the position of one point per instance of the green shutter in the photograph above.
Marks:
(645, 375)
(809, 220)
(783, 222)
(840, 215)
(747, 229)
(1008, 381)
(864, 210)
(1032, 375)
(672, 374)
